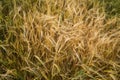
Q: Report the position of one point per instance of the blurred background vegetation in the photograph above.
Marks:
(112, 7)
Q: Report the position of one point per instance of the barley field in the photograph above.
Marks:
(59, 40)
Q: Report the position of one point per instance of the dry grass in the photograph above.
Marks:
(59, 40)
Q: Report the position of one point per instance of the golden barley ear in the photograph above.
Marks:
(58, 40)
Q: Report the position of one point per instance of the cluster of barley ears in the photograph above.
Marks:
(58, 40)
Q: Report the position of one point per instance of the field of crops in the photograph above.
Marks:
(59, 39)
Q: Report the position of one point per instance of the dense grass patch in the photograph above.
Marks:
(58, 40)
